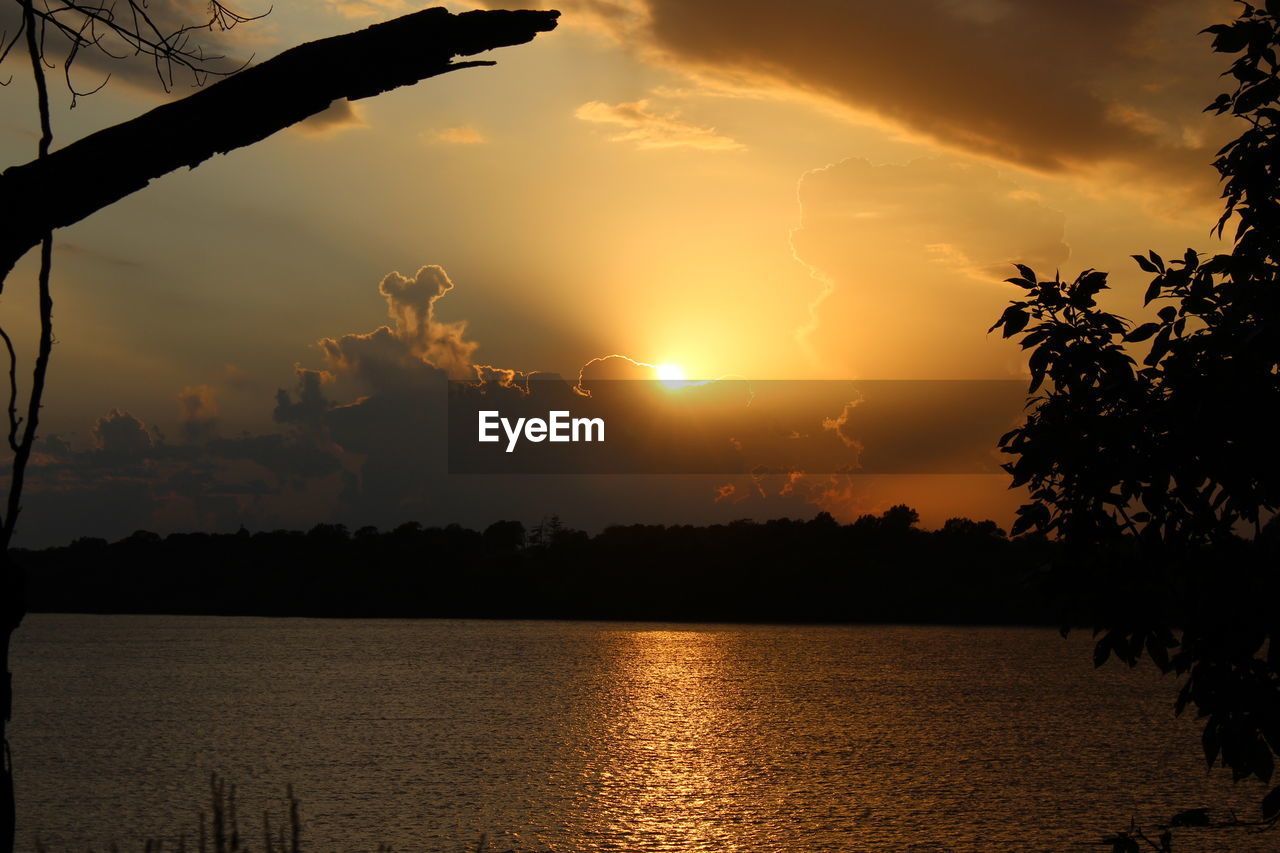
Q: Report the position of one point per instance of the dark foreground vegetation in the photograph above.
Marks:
(879, 568)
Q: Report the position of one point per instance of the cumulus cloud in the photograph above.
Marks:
(361, 441)
(386, 357)
(130, 478)
(650, 129)
(118, 433)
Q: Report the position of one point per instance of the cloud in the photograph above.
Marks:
(610, 18)
(308, 411)
(368, 8)
(464, 134)
(960, 216)
(649, 129)
(235, 378)
(339, 115)
(130, 478)
(197, 413)
(363, 439)
(907, 260)
(610, 367)
(386, 357)
(1093, 88)
(94, 254)
(118, 433)
(360, 440)
(285, 456)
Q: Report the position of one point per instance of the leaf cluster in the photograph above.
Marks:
(1161, 477)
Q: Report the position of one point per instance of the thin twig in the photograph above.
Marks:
(14, 420)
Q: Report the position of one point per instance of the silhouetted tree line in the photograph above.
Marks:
(880, 568)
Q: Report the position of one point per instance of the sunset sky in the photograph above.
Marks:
(821, 189)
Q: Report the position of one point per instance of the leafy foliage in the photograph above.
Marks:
(1161, 479)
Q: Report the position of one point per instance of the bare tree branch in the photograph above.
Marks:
(14, 421)
(86, 24)
(22, 447)
(243, 109)
(22, 452)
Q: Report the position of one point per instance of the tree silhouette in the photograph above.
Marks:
(62, 187)
(1159, 479)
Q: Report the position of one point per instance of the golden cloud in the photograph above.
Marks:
(465, 134)
(649, 129)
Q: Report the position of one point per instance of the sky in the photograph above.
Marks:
(823, 189)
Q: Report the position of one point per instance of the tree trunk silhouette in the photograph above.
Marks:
(106, 166)
(65, 186)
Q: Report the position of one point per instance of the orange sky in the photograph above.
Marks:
(825, 189)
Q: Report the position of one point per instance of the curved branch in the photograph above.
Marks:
(14, 421)
(243, 109)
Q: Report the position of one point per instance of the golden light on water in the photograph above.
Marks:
(664, 773)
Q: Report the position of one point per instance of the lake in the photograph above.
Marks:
(590, 736)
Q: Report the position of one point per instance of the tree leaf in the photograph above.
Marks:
(1232, 39)
(1146, 265)
(1102, 650)
(1159, 347)
(1143, 332)
(1271, 804)
(1209, 742)
(1014, 319)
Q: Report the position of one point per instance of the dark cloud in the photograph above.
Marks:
(291, 459)
(308, 411)
(197, 413)
(1067, 86)
(121, 435)
(1025, 82)
(130, 478)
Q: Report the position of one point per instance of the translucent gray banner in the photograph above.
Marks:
(731, 426)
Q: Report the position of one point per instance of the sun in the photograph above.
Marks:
(670, 372)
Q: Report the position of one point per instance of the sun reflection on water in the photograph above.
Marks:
(673, 769)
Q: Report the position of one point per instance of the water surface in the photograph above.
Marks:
(576, 736)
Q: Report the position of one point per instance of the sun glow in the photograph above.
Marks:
(670, 373)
